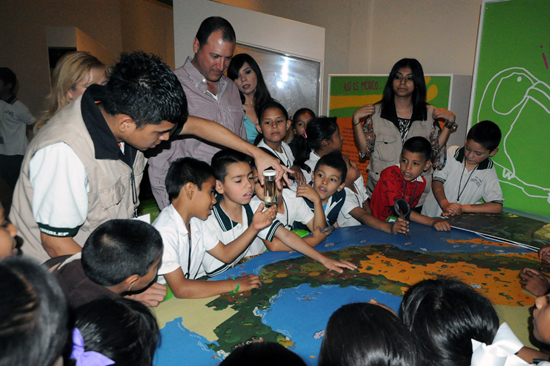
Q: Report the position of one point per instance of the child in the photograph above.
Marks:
(291, 208)
(119, 256)
(341, 206)
(299, 123)
(354, 181)
(121, 331)
(7, 236)
(368, 335)
(33, 314)
(230, 214)
(14, 119)
(404, 181)
(533, 280)
(190, 184)
(263, 353)
(445, 315)
(273, 124)
(322, 136)
(468, 176)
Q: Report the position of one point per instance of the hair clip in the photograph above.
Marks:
(89, 358)
(304, 134)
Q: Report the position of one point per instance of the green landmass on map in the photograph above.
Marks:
(245, 327)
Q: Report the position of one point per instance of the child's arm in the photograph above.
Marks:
(184, 288)
(278, 246)
(487, 207)
(298, 175)
(227, 253)
(438, 224)
(296, 243)
(449, 209)
(151, 296)
(319, 220)
(398, 227)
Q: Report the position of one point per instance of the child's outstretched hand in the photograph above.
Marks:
(544, 254)
(441, 225)
(399, 227)
(337, 266)
(263, 219)
(534, 281)
(152, 296)
(307, 191)
(248, 282)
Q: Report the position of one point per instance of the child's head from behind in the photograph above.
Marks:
(353, 171)
(482, 142)
(8, 80)
(415, 157)
(122, 252)
(273, 122)
(301, 119)
(123, 330)
(262, 353)
(329, 175)
(33, 314)
(366, 334)
(444, 315)
(233, 174)
(7, 235)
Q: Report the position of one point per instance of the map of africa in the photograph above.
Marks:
(298, 295)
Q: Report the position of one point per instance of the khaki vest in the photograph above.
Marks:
(388, 146)
(110, 195)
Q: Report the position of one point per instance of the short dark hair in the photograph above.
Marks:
(335, 161)
(299, 112)
(420, 145)
(8, 77)
(366, 334)
(444, 315)
(186, 170)
(213, 24)
(144, 88)
(317, 131)
(33, 314)
(263, 353)
(118, 249)
(486, 133)
(123, 330)
(223, 158)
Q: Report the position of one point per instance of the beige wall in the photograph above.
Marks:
(116, 25)
(369, 36)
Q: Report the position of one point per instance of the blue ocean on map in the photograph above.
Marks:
(297, 314)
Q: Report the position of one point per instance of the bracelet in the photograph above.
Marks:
(235, 290)
(355, 124)
(451, 125)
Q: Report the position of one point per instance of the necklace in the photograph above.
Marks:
(465, 184)
(287, 160)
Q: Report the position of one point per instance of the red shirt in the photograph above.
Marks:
(390, 187)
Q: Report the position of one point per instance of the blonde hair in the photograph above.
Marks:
(69, 71)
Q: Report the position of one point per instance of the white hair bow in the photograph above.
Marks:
(502, 352)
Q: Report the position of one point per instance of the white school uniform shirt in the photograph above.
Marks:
(14, 119)
(473, 185)
(296, 209)
(227, 230)
(286, 157)
(178, 251)
(311, 162)
(344, 217)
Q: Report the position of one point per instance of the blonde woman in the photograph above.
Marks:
(73, 73)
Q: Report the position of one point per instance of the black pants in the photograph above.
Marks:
(10, 167)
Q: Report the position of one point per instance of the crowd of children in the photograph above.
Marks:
(217, 217)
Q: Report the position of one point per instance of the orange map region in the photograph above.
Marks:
(502, 286)
(349, 148)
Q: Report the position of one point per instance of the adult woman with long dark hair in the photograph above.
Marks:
(246, 73)
(381, 129)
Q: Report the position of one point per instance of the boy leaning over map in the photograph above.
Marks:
(468, 176)
(190, 184)
(234, 183)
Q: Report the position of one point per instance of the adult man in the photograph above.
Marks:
(210, 95)
(85, 166)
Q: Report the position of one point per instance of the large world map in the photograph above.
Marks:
(298, 295)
